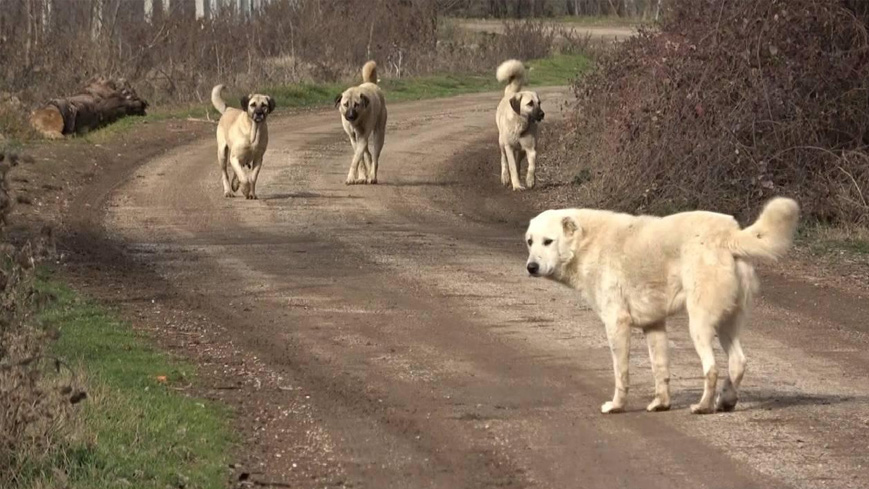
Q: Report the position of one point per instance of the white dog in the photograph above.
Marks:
(635, 271)
(517, 117)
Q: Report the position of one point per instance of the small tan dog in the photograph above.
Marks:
(635, 271)
(363, 116)
(242, 139)
(517, 117)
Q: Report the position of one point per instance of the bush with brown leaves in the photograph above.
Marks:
(725, 105)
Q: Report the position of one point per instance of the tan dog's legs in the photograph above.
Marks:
(241, 175)
(377, 140)
(225, 177)
(618, 332)
(364, 168)
(656, 338)
(514, 172)
(360, 146)
(728, 334)
(254, 175)
(702, 329)
(532, 161)
(505, 173)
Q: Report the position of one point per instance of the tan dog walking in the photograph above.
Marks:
(242, 139)
(363, 116)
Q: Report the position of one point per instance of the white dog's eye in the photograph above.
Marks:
(530, 242)
(531, 104)
(547, 242)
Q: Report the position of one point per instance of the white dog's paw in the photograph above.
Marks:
(701, 409)
(372, 181)
(530, 181)
(726, 401)
(658, 405)
(228, 195)
(610, 408)
(518, 188)
(505, 179)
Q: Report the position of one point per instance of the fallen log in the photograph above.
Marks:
(103, 102)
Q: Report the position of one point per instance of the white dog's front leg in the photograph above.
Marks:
(618, 331)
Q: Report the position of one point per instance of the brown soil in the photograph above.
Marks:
(388, 336)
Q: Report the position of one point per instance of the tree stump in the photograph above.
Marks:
(103, 102)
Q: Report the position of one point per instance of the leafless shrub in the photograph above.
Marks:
(726, 105)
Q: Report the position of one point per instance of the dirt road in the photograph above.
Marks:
(602, 32)
(398, 343)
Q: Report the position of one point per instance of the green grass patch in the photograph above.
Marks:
(559, 69)
(823, 240)
(134, 429)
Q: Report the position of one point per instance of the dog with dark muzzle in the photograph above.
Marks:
(517, 117)
(242, 139)
(363, 116)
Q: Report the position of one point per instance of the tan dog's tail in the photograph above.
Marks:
(369, 72)
(772, 234)
(217, 100)
(511, 72)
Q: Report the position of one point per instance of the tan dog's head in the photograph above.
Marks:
(258, 106)
(527, 104)
(551, 237)
(352, 104)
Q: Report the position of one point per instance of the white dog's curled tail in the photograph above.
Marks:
(772, 234)
(217, 100)
(511, 72)
(369, 72)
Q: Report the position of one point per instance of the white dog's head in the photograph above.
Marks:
(352, 104)
(551, 237)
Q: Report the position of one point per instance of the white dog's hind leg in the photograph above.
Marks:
(618, 332)
(531, 154)
(702, 328)
(728, 334)
(656, 338)
(514, 173)
(505, 173)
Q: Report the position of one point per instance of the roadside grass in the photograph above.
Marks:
(134, 429)
(558, 69)
(837, 241)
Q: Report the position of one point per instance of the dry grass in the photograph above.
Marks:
(724, 111)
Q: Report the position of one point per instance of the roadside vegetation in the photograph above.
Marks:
(725, 111)
(85, 400)
(305, 52)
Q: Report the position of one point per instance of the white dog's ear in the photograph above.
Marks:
(516, 103)
(569, 226)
